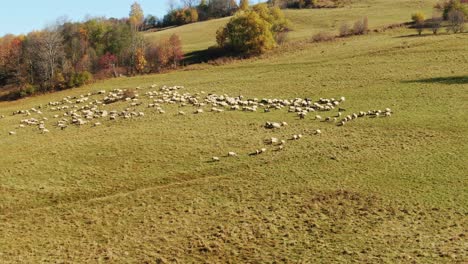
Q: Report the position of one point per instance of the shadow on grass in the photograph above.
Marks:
(210, 54)
(418, 36)
(444, 80)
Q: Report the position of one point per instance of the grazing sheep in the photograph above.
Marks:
(215, 159)
(318, 132)
(11, 133)
(181, 113)
(273, 125)
(232, 154)
(271, 141)
(302, 115)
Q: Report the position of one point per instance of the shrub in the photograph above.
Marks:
(345, 30)
(456, 20)
(246, 33)
(435, 24)
(418, 17)
(281, 37)
(254, 31)
(446, 6)
(361, 26)
(25, 91)
(323, 36)
(419, 28)
(80, 78)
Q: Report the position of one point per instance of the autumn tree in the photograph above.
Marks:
(246, 33)
(140, 61)
(244, 5)
(137, 41)
(136, 17)
(177, 54)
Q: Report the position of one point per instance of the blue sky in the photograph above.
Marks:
(22, 16)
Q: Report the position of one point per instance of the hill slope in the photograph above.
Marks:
(306, 22)
(144, 189)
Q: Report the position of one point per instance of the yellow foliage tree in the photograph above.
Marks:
(244, 5)
(140, 61)
(246, 33)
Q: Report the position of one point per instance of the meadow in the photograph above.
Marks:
(306, 22)
(144, 190)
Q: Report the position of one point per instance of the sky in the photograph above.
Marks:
(22, 16)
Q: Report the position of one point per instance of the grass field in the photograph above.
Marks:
(384, 190)
(307, 22)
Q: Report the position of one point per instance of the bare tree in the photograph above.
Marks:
(189, 3)
(456, 20)
(171, 4)
(436, 23)
(48, 52)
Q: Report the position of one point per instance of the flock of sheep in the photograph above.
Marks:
(92, 108)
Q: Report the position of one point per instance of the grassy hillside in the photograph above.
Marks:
(306, 22)
(144, 190)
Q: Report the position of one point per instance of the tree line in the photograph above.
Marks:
(451, 14)
(70, 54)
(189, 11)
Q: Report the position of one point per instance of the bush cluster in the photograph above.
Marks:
(253, 31)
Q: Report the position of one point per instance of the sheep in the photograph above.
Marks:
(317, 117)
(258, 152)
(12, 133)
(271, 141)
(273, 125)
(296, 137)
(318, 132)
(302, 115)
(181, 113)
(232, 154)
(215, 159)
(199, 111)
